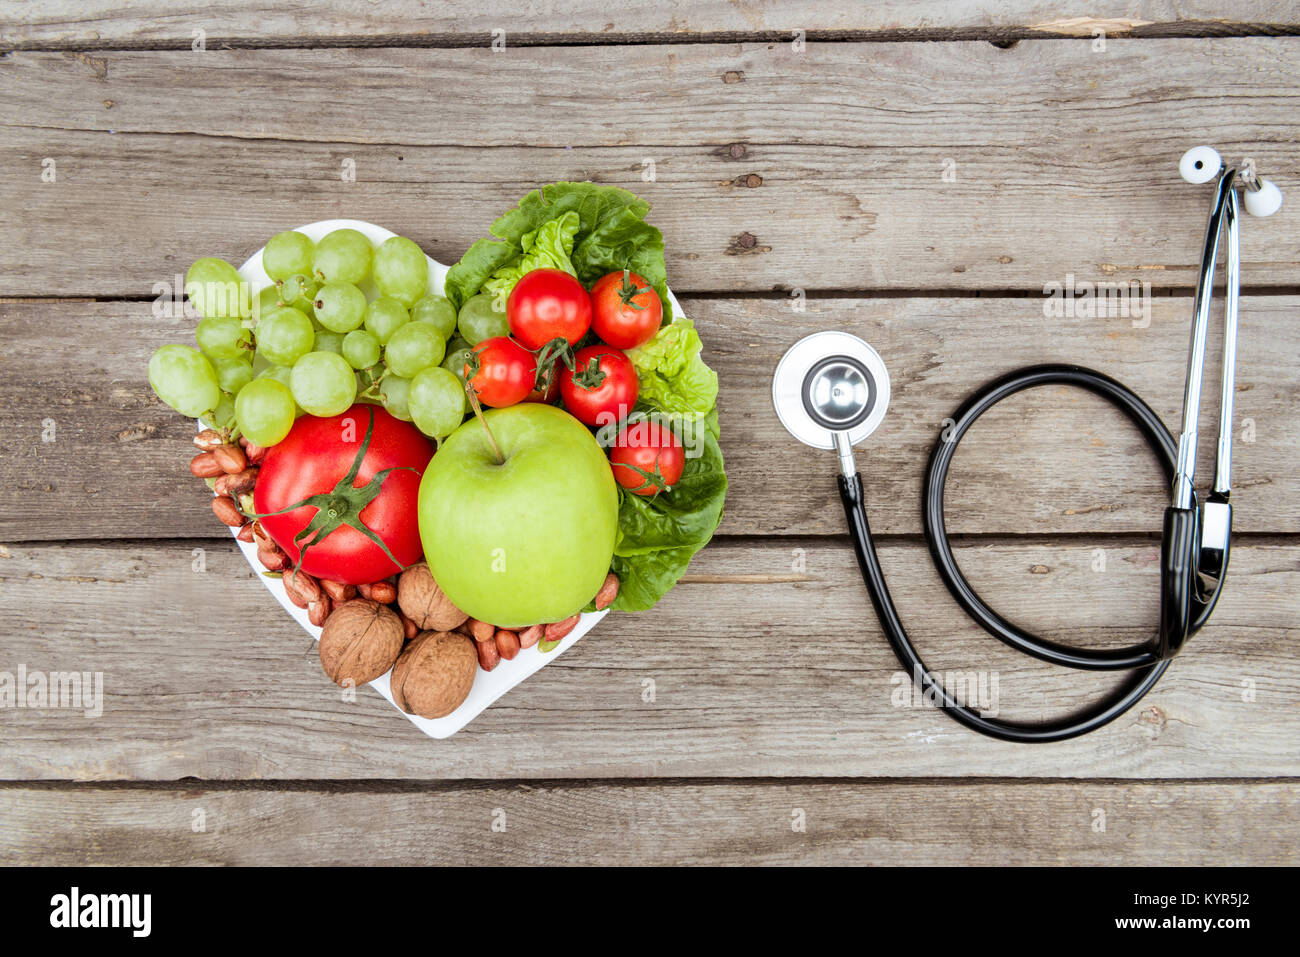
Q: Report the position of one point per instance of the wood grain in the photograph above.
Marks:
(1048, 461)
(103, 23)
(987, 823)
(842, 182)
(728, 677)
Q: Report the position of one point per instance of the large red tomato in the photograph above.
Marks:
(313, 460)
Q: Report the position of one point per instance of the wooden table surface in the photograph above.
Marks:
(915, 173)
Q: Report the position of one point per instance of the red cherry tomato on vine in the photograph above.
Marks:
(626, 311)
(501, 371)
(647, 458)
(548, 304)
(601, 388)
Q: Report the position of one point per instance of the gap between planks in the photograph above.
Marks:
(1002, 37)
(441, 786)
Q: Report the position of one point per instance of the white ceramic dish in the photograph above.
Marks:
(488, 685)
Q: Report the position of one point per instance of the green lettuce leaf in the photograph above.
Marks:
(657, 536)
(611, 234)
(672, 374)
(547, 247)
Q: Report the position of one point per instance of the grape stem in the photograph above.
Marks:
(478, 412)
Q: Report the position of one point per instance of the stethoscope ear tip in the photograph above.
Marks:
(1264, 201)
(1200, 164)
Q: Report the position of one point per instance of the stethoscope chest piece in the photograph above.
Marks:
(827, 383)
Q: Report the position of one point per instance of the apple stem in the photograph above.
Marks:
(478, 412)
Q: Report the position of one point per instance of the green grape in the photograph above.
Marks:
(323, 383)
(413, 347)
(216, 290)
(298, 291)
(436, 400)
(438, 312)
(222, 338)
(267, 301)
(233, 374)
(327, 341)
(393, 391)
(340, 306)
(342, 256)
(384, 316)
(479, 319)
(281, 374)
(285, 335)
(361, 349)
(287, 253)
(223, 416)
(401, 271)
(458, 353)
(183, 378)
(265, 410)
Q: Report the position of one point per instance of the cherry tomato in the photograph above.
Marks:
(626, 311)
(601, 388)
(548, 304)
(647, 458)
(313, 459)
(501, 371)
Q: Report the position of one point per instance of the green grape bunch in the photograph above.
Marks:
(342, 321)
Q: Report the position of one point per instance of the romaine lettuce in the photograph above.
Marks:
(671, 373)
(547, 247)
(611, 234)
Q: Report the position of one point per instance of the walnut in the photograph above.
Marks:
(434, 673)
(422, 601)
(360, 641)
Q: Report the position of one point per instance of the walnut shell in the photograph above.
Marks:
(360, 641)
(422, 601)
(434, 673)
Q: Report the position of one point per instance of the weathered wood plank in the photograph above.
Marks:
(100, 22)
(994, 823)
(787, 675)
(841, 182)
(1054, 460)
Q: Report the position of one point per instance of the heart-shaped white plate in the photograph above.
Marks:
(488, 685)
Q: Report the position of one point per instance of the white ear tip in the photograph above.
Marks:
(1200, 164)
(1264, 201)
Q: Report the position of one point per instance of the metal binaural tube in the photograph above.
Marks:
(1223, 461)
(1184, 474)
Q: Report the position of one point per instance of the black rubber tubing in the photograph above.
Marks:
(1143, 660)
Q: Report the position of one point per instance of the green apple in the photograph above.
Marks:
(527, 540)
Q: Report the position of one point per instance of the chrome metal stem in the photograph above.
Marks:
(844, 449)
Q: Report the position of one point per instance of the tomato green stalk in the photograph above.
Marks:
(649, 480)
(342, 505)
(591, 377)
(628, 291)
(557, 349)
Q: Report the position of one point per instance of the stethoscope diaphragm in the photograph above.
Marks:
(830, 382)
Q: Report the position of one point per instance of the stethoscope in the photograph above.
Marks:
(831, 391)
